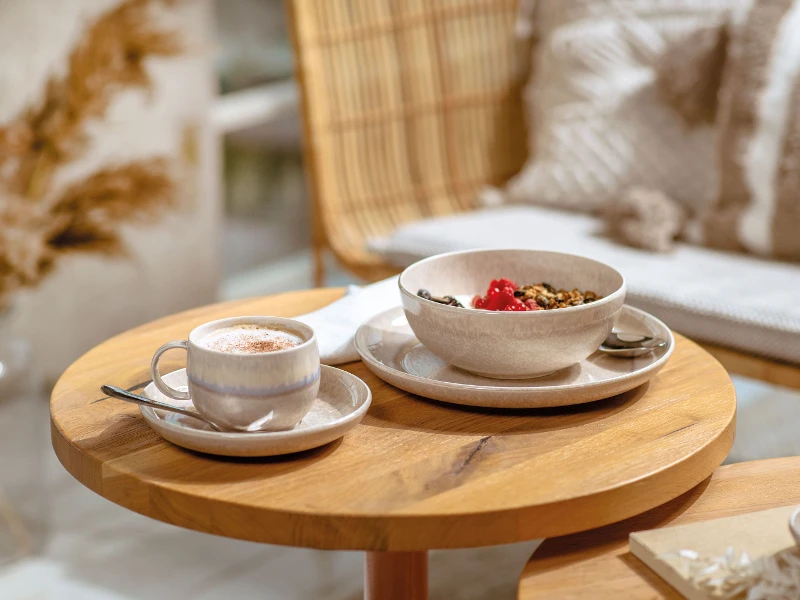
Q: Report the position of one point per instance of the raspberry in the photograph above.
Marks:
(500, 296)
(506, 295)
(503, 283)
(495, 302)
(515, 307)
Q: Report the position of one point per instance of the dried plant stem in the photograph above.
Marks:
(109, 58)
(91, 210)
(85, 218)
(39, 224)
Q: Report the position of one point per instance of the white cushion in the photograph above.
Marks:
(735, 300)
(599, 121)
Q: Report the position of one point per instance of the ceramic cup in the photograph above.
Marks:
(269, 391)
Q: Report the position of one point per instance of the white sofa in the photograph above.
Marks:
(734, 300)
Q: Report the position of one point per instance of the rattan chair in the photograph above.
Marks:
(410, 107)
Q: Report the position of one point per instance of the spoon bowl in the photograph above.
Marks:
(630, 345)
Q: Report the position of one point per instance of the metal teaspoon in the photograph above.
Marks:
(628, 345)
(114, 391)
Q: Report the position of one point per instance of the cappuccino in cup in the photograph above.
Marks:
(248, 373)
(249, 338)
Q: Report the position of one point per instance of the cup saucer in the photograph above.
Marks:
(342, 402)
(390, 350)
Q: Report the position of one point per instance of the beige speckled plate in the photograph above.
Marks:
(389, 349)
(342, 402)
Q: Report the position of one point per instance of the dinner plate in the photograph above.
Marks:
(390, 350)
(342, 402)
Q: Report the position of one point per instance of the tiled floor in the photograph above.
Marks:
(767, 421)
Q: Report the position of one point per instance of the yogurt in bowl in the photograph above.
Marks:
(510, 345)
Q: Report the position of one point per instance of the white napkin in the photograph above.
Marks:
(336, 324)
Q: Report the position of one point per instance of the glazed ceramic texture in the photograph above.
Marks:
(510, 345)
(274, 390)
(342, 402)
(390, 350)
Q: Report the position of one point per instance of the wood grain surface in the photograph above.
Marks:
(598, 564)
(396, 576)
(415, 474)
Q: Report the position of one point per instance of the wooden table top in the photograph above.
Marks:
(598, 563)
(415, 474)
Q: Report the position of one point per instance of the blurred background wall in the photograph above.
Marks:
(172, 264)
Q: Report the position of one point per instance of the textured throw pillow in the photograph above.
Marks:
(758, 209)
(690, 76)
(600, 122)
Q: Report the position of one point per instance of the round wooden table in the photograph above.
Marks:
(415, 474)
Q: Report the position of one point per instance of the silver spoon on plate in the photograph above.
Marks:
(629, 345)
(119, 393)
(115, 392)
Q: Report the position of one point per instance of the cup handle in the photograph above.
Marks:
(160, 385)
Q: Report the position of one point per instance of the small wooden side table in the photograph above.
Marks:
(415, 474)
(598, 564)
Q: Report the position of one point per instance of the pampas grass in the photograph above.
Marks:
(90, 210)
(39, 224)
(85, 218)
(109, 58)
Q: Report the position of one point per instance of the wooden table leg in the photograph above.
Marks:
(396, 576)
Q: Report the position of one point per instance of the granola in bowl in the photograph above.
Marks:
(504, 294)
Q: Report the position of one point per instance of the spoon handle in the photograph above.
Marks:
(114, 391)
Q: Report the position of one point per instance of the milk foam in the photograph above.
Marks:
(250, 338)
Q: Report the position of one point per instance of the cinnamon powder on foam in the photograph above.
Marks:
(250, 340)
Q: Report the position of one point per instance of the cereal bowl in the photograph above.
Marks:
(510, 345)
